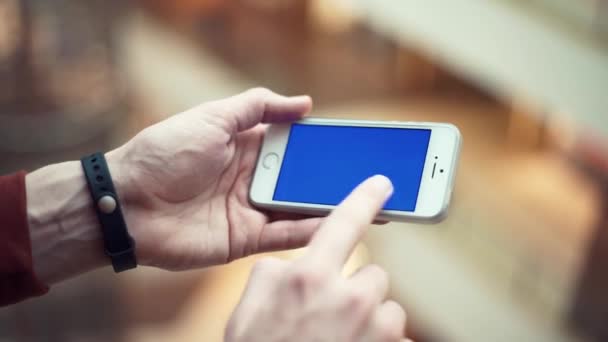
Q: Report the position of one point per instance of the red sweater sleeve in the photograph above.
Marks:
(17, 278)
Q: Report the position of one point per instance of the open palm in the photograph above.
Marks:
(185, 181)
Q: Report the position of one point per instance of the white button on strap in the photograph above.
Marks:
(106, 204)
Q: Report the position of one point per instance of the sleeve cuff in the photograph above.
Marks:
(17, 278)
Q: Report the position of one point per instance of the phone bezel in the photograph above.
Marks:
(435, 191)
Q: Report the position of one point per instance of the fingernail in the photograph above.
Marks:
(381, 183)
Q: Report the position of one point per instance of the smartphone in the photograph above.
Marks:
(311, 165)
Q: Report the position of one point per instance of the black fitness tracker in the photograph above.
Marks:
(119, 245)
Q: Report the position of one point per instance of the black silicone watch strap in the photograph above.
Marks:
(119, 245)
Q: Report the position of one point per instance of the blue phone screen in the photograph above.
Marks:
(322, 164)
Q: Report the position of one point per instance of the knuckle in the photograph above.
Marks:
(303, 279)
(357, 301)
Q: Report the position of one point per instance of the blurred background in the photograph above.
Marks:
(523, 253)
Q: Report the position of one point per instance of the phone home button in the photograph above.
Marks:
(270, 160)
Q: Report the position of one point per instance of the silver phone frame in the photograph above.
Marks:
(445, 141)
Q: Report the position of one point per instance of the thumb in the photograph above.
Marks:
(247, 109)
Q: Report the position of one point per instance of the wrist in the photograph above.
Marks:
(129, 197)
(134, 200)
(117, 164)
(65, 234)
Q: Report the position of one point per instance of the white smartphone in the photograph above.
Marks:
(311, 165)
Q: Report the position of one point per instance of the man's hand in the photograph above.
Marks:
(309, 300)
(184, 184)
